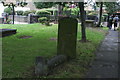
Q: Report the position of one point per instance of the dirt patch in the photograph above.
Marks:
(25, 37)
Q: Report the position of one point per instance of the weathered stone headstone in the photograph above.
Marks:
(67, 37)
(55, 61)
(41, 67)
(7, 32)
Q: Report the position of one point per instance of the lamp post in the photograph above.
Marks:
(13, 8)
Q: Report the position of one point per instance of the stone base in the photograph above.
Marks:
(7, 32)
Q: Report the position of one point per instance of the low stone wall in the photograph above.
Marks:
(92, 17)
(1, 20)
(19, 18)
(90, 23)
(32, 18)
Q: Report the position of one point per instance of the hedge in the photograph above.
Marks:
(8, 10)
(25, 13)
(20, 12)
(43, 13)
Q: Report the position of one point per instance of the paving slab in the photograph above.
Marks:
(106, 63)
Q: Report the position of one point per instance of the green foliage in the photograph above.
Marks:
(19, 55)
(118, 29)
(8, 21)
(74, 11)
(111, 7)
(51, 10)
(20, 12)
(8, 10)
(91, 13)
(61, 3)
(33, 11)
(25, 13)
(45, 17)
(43, 13)
(42, 19)
(22, 57)
(41, 5)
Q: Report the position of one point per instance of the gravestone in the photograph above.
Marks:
(41, 67)
(67, 37)
(7, 32)
(55, 61)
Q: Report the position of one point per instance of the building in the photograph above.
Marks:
(1, 9)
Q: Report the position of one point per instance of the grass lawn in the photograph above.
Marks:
(18, 55)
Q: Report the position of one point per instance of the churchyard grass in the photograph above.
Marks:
(18, 55)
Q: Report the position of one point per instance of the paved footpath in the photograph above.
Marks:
(105, 64)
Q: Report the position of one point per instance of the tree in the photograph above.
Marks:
(12, 5)
(8, 10)
(61, 5)
(100, 14)
(41, 5)
(82, 16)
(112, 7)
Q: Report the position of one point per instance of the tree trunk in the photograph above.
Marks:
(108, 20)
(82, 16)
(100, 14)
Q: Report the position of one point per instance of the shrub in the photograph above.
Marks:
(25, 13)
(41, 5)
(56, 12)
(8, 21)
(44, 20)
(92, 13)
(43, 13)
(51, 10)
(74, 11)
(33, 11)
(8, 10)
(19, 12)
